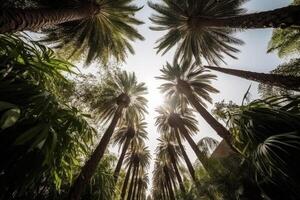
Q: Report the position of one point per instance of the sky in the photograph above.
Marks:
(253, 57)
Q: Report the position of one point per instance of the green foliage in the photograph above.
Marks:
(103, 37)
(42, 138)
(102, 184)
(198, 79)
(105, 101)
(291, 68)
(191, 39)
(285, 42)
(267, 134)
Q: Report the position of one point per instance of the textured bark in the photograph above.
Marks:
(12, 20)
(135, 184)
(278, 18)
(287, 82)
(131, 183)
(91, 165)
(172, 155)
(120, 161)
(185, 156)
(217, 126)
(125, 184)
(200, 155)
(169, 186)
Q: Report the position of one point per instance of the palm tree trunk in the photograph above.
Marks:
(200, 155)
(125, 184)
(135, 184)
(131, 183)
(185, 156)
(217, 126)
(172, 155)
(278, 18)
(12, 20)
(169, 185)
(287, 82)
(91, 165)
(120, 161)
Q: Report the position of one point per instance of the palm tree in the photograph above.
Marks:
(163, 175)
(288, 82)
(267, 133)
(204, 28)
(143, 182)
(185, 123)
(129, 135)
(191, 84)
(285, 41)
(168, 150)
(164, 127)
(121, 98)
(98, 30)
(137, 160)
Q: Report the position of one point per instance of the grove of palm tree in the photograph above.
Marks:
(149, 100)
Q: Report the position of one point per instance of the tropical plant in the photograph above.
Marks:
(267, 132)
(137, 161)
(121, 98)
(188, 83)
(204, 28)
(97, 30)
(286, 81)
(170, 120)
(163, 179)
(128, 135)
(285, 41)
(43, 139)
(102, 183)
(290, 68)
(170, 151)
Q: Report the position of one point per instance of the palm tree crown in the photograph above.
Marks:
(187, 78)
(104, 35)
(193, 40)
(122, 88)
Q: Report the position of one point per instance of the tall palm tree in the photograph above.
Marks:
(164, 127)
(97, 30)
(143, 182)
(129, 135)
(169, 150)
(191, 84)
(137, 159)
(186, 124)
(163, 176)
(203, 28)
(121, 98)
(285, 81)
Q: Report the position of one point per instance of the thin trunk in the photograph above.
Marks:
(278, 18)
(125, 184)
(172, 155)
(163, 193)
(91, 165)
(217, 126)
(120, 161)
(171, 193)
(131, 183)
(135, 184)
(12, 20)
(287, 82)
(185, 156)
(200, 155)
